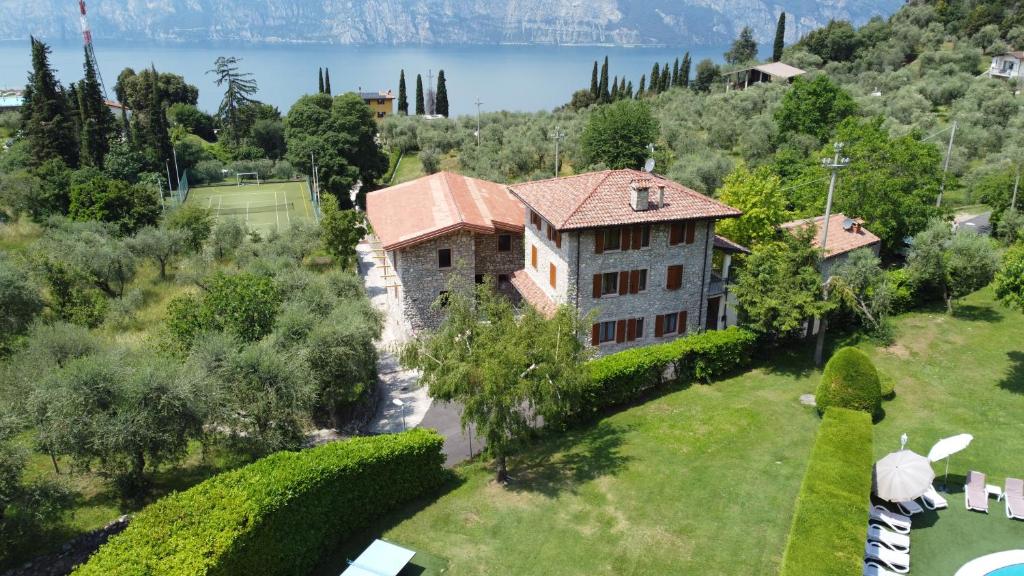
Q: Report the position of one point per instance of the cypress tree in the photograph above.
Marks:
(684, 71)
(655, 80)
(441, 100)
(640, 90)
(149, 125)
(602, 89)
(780, 38)
(420, 108)
(629, 89)
(675, 73)
(403, 99)
(327, 81)
(48, 124)
(615, 89)
(97, 122)
(320, 90)
(594, 93)
(622, 87)
(666, 77)
(74, 103)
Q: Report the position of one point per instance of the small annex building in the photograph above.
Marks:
(845, 235)
(441, 225)
(1007, 66)
(771, 72)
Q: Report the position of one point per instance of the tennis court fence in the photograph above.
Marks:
(183, 187)
(252, 209)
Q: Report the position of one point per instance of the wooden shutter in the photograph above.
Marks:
(637, 237)
(675, 277)
(558, 239)
(595, 334)
(597, 286)
(691, 231)
(598, 241)
(553, 275)
(620, 331)
(631, 329)
(533, 257)
(659, 326)
(623, 283)
(681, 329)
(634, 282)
(675, 233)
(626, 237)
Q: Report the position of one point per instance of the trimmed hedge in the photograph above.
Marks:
(277, 515)
(621, 377)
(830, 522)
(850, 380)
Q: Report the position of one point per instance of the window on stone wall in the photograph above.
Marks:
(444, 258)
(645, 236)
(612, 239)
(479, 279)
(641, 282)
(503, 281)
(671, 323)
(675, 278)
(609, 283)
(607, 332)
(553, 275)
(504, 243)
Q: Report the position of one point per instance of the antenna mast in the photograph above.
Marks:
(90, 53)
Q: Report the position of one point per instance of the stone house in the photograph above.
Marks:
(845, 235)
(633, 248)
(444, 225)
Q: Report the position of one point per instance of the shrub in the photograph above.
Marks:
(827, 534)
(850, 380)
(278, 515)
(887, 385)
(902, 292)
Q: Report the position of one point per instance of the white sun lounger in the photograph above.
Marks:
(1014, 497)
(889, 539)
(895, 522)
(909, 507)
(975, 495)
(875, 569)
(932, 500)
(898, 562)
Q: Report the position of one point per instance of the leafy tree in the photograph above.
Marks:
(420, 109)
(441, 106)
(150, 133)
(239, 89)
(342, 230)
(430, 160)
(162, 245)
(113, 201)
(860, 284)
(342, 360)
(814, 107)
(195, 224)
(48, 124)
(125, 162)
(268, 135)
(744, 48)
(194, 120)
(779, 286)
(707, 74)
(20, 302)
(954, 265)
(836, 42)
(780, 38)
(227, 237)
(617, 135)
(1011, 226)
(684, 71)
(1010, 279)
(133, 90)
(507, 372)
(98, 124)
(403, 99)
(759, 195)
(87, 254)
(243, 305)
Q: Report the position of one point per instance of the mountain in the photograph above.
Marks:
(397, 22)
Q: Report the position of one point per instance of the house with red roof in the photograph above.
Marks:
(845, 235)
(633, 248)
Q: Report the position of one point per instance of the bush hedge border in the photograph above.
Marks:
(277, 515)
(830, 522)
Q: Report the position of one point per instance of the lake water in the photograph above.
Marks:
(520, 78)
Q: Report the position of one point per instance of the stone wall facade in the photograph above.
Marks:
(490, 261)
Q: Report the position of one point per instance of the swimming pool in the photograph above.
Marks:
(1009, 563)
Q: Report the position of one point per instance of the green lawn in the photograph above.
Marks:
(409, 168)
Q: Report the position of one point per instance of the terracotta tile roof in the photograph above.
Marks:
(440, 204)
(533, 294)
(602, 199)
(723, 243)
(840, 240)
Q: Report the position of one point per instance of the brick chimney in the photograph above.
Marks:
(639, 194)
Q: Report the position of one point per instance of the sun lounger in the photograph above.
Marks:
(895, 522)
(898, 562)
(932, 500)
(875, 569)
(909, 507)
(889, 539)
(975, 495)
(1014, 496)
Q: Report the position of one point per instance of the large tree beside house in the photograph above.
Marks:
(618, 135)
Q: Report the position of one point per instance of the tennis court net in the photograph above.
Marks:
(252, 209)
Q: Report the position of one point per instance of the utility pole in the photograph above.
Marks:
(835, 164)
(558, 135)
(945, 165)
(478, 104)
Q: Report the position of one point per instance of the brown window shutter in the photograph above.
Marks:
(675, 233)
(597, 286)
(553, 275)
(682, 322)
(623, 283)
(634, 282)
(626, 237)
(675, 278)
(637, 237)
(595, 334)
(691, 231)
(631, 329)
(620, 331)
(598, 241)
(533, 256)
(558, 239)
(659, 326)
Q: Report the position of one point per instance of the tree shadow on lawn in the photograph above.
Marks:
(974, 313)
(1014, 378)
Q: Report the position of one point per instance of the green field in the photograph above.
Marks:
(265, 208)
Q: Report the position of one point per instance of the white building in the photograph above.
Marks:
(1007, 66)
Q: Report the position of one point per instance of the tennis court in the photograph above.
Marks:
(265, 208)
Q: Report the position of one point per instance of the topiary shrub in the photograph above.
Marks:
(850, 381)
(888, 385)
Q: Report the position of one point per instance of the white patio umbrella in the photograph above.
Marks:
(903, 476)
(947, 447)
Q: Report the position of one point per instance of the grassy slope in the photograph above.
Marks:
(409, 168)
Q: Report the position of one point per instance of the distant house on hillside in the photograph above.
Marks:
(844, 236)
(382, 103)
(1007, 66)
(771, 72)
(11, 100)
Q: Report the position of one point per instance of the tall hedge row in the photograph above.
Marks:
(619, 378)
(277, 515)
(830, 523)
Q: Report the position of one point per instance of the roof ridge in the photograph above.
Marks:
(448, 190)
(583, 201)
